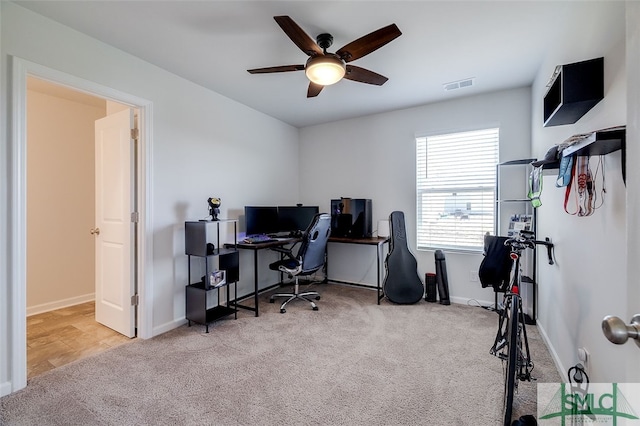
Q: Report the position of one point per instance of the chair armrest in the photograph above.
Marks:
(287, 251)
(280, 249)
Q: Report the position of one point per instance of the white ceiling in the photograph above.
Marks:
(501, 44)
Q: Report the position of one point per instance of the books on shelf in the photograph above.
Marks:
(519, 222)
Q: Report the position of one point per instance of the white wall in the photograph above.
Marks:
(5, 294)
(60, 200)
(374, 157)
(589, 279)
(633, 184)
(200, 142)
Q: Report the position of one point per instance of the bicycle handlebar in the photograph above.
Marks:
(525, 240)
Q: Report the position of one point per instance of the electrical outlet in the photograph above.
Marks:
(473, 276)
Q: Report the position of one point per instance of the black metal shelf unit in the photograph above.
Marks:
(199, 244)
(516, 179)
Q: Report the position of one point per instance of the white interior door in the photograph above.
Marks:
(114, 230)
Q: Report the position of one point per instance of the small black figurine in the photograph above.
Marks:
(214, 210)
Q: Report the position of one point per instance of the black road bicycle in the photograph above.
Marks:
(511, 344)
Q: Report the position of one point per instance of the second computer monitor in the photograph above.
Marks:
(295, 218)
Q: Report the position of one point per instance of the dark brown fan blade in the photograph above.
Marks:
(282, 68)
(367, 44)
(298, 36)
(314, 90)
(364, 76)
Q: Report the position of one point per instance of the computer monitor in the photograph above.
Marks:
(295, 218)
(261, 220)
(351, 217)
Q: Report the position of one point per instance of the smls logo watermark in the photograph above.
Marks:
(589, 404)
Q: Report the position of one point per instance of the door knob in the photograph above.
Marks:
(618, 332)
(95, 231)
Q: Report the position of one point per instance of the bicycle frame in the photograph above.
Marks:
(511, 344)
(525, 367)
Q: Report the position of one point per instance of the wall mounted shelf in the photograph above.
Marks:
(600, 142)
(573, 90)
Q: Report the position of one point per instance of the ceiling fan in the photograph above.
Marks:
(324, 68)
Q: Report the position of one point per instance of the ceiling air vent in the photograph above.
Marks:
(467, 82)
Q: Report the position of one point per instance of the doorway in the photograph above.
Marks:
(62, 324)
(17, 257)
(65, 335)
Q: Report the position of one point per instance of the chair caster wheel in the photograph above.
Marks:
(271, 300)
(283, 310)
(315, 308)
(317, 297)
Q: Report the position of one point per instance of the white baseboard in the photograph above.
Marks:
(457, 300)
(59, 304)
(552, 352)
(471, 302)
(168, 326)
(5, 388)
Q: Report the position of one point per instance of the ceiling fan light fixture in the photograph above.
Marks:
(325, 70)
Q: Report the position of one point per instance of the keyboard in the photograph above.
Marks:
(257, 239)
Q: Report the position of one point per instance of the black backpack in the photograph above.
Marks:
(495, 267)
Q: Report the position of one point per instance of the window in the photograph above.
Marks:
(456, 184)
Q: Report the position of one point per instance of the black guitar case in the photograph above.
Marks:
(401, 284)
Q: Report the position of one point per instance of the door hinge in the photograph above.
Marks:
(135, 217)
(135, 300)
(134, 134)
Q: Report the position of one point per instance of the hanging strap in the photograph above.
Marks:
(598, 196)
(587, 199)
(584, 189)
(585, 186)
(570, 188)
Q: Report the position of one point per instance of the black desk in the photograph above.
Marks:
(256, 247)
(373, 241)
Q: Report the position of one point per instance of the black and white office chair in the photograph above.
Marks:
(309, 259)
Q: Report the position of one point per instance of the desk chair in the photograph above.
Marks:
(309, 259)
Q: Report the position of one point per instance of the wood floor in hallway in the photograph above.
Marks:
(65, 335)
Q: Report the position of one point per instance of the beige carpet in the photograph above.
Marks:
(353, 362)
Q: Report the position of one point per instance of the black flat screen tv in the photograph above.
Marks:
(294, 219)
(261, 220)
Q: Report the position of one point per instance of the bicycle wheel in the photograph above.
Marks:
(511, 360)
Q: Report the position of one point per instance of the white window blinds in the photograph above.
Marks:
(456, 183)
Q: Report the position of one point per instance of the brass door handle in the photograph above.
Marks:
(618, 332)
(95, 231)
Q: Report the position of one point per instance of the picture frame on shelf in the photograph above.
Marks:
(519, 222)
